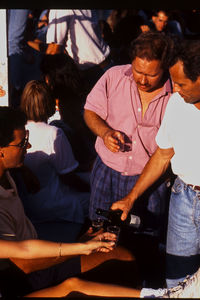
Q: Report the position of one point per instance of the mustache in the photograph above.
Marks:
(147, 85)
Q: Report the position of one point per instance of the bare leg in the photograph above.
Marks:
(93, 260)
(88, 288)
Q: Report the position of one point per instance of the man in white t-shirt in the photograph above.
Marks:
(178, 142)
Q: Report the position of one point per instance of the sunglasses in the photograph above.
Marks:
(23, 144)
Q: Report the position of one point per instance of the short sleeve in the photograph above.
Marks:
(62, 157)
(7, 228)
(97, 99)
(58, 26)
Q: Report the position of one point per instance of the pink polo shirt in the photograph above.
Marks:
(116, 100)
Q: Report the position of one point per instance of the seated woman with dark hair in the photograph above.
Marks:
(63, 196)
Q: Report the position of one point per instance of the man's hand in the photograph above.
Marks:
(125, 204)
(144, 28)
(54, 48)
(111, 140)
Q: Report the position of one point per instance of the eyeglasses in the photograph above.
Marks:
(23, 144)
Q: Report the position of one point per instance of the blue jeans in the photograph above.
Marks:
(20, 71)
(183, 236)
(17, 20)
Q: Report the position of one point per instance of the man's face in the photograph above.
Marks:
(160, 21)
(12, 156)
(147, 74)
(188, 90)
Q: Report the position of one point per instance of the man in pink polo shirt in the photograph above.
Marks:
(124, 109)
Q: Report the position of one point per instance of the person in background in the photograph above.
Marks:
(161, 21)
(67, 87)
(17, 22)
(78, 33)
(39, 39)
(62, 194)
(23, 62)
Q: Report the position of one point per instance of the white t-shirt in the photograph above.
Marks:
(49, 156)
(79, 32)
(180, 130)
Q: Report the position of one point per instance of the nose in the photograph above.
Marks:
(143, 79)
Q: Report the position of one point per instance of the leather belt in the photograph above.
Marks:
(194, 187)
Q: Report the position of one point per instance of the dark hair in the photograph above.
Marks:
(153, 46)
(37, 102)
(155, 12)
(10, 120)
(63, 75)
(188, 51)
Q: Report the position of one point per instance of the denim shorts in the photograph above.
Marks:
(183, 236)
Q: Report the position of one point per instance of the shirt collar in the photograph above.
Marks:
(128, 72)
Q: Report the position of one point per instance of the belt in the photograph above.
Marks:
(194, 187)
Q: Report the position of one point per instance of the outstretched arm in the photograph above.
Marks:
(156, 166)
(32, 255)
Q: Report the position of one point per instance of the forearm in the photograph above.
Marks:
(44, 249)
(96, 124)
(31, 255)
(35, 255)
